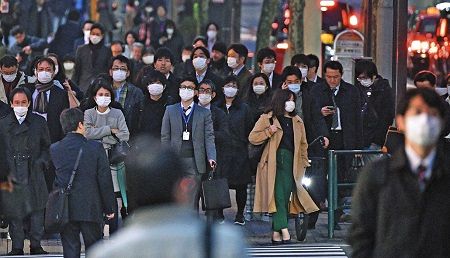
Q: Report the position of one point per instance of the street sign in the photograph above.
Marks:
(349, 43)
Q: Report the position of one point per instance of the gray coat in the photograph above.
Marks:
(202, 133)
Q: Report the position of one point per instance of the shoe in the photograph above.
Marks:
(277, 242)
(311, 226)
(337, 227)
(37, 250)
(15, 251)
(284, 242)
(239, 220)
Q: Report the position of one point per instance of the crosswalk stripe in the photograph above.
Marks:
(296, 250)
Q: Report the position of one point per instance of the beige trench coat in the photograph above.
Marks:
(265, 176)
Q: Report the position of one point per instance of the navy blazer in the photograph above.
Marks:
(92, 192)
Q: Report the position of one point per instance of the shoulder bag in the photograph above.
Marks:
(118, 151)
(255, 151)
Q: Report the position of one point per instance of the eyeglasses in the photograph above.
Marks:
(119, 69)
(187, 87)
(208, 91)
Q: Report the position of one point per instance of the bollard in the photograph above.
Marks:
(331, 175)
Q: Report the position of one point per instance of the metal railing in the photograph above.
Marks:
(333, 182)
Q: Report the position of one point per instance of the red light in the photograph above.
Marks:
(327, 3)
(353, 20)
(287, 14)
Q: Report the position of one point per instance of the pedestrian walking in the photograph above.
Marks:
(11, 77)
(282, 164)
(236, 58)
(266, 59)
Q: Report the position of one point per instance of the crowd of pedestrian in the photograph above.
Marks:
(73, 85)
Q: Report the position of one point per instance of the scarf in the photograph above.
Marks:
(41, 103)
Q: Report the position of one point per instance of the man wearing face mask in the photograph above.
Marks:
(236, 58)
(200, 61)
(163, 63)
(147, 115)
(188, 129)
(402, 200)
(84, 40)
(377, 108)
(126, 94)
(26, 142)
(266, 59)
(11, 77)
(218, 64)
(91, 59)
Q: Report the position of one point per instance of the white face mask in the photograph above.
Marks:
(289, 106)
(211, 34)
(148, 9)
(268, 68)
(304, 71)
(148, 59)
(119, 75)
(20, 111)
(103, 101)
(230, 92)
(44, 77)
(259, 89)
(69, 66)
(366, 82)
(294, 87)
(199, 63)
(95, 39)
(204, 99)
(169, 31)
(185, 58)
(423, 129)
(9, 77)
(232, 62)
(186, 94)
(86, 33)
(155, 89)
(441, 91)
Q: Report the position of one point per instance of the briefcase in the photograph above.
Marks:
(216, 193)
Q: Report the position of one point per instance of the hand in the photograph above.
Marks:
(19, 58)
(284, 86)
(326, 142)
(7, 185)
(212, 163)
(326, 111)
(114, 130)
(273, 129)
(110, 216)
(67, 85)
(27, 50)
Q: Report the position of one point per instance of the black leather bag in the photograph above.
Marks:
(216, 193)
(57, 208)
(255, 152)
(119, 151)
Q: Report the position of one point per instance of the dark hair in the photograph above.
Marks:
(116, 42)
(300, 59)
(61, 75)
(96, 85)
(151, 77)
(221, 47)
(121, 59)
(240, 49)
(232, 78)
(86, 22)
(98, 26)
(69, 57)
(18, 90)
(250, 95)
(189, 79)
(16, 30)
(188, 48)
(202, 39)
(209, 24)
(291, 70)
(170, 23)
(366, 67)
(154, 173)
(263, 53)
(164, 52)
(277, 105)
(431, 98)
(73, 15)
(203, 49)
(44, 59)
(8, 61)
(313, 61)
(70, 118)
(333, 65)
(425, 75)
(135, 36)
(208, 82)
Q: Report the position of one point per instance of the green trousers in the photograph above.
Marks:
(283, 188)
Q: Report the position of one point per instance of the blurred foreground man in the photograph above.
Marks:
(401, 205)
(164, 224)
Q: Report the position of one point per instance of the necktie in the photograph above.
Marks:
(421, 176)
(335, 123)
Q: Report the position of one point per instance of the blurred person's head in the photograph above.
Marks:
(44, 70)
(301, 61)
(163, 60)
(421, 116)
(236, 55)
(266, 59)
(333, 72)
(87, 25)
(199, 41)
(292, 78)
(18, 33)
(59, 68)
(137, 50)
(161, 12)
(20, 100)
(130, 37)
(97, 33)
(116, 48)
(148, 57)
(282, 103)
(259, 83)
(186, 53)
(73, 15)
(231, 87)
(200, 58)
(425, 79)
(313, 66)
(72, 121)
(188, 87)
(119, 69)
(219, 51)
(366, 72)
(155, 83)
(9, 68)
(206, 92)
(69, 63)
(170, 28)
(212, 30)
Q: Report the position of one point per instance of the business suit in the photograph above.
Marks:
(276, 81)
(202, 134)
(243, 76)
(221, 135)
(92, 190)
(210, 75)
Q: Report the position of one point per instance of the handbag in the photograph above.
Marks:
(118, 151)
(216, 193)
(255, 151)
(57, 208)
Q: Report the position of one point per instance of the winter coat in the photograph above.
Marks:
(267, 167)
(23, 79)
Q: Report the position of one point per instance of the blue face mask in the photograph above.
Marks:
(294, 87)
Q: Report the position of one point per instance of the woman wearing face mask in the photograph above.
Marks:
(148, 114)
(236, 167)
(107, 125)
(377, 110)
(172, 39)
(212, 31)
(282, 164)
(130, 38)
